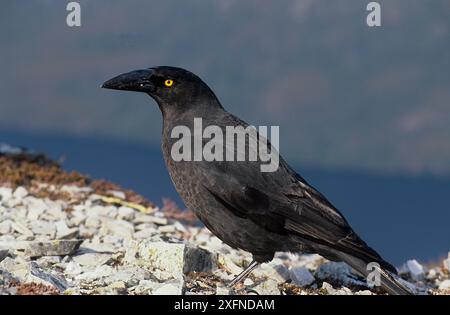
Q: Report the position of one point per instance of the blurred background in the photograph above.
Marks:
(364, 113)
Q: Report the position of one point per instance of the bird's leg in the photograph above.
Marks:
(244, 273)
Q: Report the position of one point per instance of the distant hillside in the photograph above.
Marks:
(344, 95)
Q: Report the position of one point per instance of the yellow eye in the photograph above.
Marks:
(168, 83)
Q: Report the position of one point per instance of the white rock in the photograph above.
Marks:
(92, 259)
(93, 222)
(146, 287)
(130, 275)
(5, 193)
(36, 207)
(64, 232)
(43, 227)
(166, 229)
(338, 272)
(364, 292)
(447, 262)
(268, 287)
(223, 290)
(158, 220)
(5, 227)
(248, 282)
(144, 234)
(414, 269)
(69, 234)
(275, 270)
(170, 288)
(48, 261)
(117, 194)
(20, 192)
(332, 291)
(172, 260)
(125, 213)
(180, 227)
(73, 269)
(18, 268)
(301, 276)
(54, 211)
(102, 211)
(21, 228)
(118, 228)
(444, 285)
(98, 273)
(229, 264)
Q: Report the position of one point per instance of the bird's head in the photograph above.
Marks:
(170, 87)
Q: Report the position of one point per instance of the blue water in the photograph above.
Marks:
(401, 216)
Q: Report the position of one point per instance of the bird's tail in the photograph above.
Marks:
(391, 282)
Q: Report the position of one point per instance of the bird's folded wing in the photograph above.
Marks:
(296, 207)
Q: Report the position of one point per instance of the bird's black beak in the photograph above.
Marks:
(138, 80)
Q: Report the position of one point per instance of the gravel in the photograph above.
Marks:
(66, 239)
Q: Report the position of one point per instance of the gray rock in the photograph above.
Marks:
(168, 260)
(268, 287)
(3, 254)
(52, 248)
(273, 270)
(301, 276)
(37, 275)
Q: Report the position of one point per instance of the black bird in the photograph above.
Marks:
(259, 212)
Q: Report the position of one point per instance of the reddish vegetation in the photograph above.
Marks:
(172, 211)
(29, 170)
(34, 289)
(24, 169)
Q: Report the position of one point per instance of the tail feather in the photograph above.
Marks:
(388, 280)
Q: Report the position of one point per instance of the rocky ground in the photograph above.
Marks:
(63, 233)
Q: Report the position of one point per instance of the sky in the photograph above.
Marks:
(343, 94)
